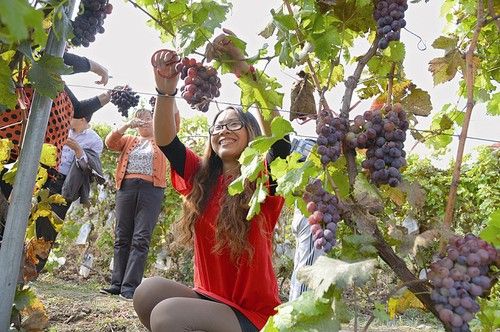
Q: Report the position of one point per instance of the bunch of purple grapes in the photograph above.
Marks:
(331, 131)
(152, 102)
(323, 207)
(459, 278)
(382, 133)
(201, 83)
(124, 98)
(89, 21)
(389, 15)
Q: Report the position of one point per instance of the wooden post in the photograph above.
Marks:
(11, 251)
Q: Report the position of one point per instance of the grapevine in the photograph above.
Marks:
(201, 83)
(124, 98)
(389, 15)
(324, 217)
(89, 21)
(459, 278)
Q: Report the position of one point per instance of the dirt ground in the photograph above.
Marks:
(75, 305)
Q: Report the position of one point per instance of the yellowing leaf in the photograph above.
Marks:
(444, 69)
(418, 102)
(57, 199)
(48, 156)
(5, 147)
(41, 178)
(37, 319)
(400, 304)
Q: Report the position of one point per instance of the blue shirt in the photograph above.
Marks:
(88, 139)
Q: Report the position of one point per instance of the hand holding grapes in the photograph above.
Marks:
(166, 77)
(224, 50)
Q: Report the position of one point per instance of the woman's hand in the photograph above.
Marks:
(224, 50)
(135, 123)
(101, 71)
(166, 77)
(73, 145)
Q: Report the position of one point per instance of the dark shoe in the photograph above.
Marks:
(110, 291)
(127, 296)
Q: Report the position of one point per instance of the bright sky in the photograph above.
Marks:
(128, 43)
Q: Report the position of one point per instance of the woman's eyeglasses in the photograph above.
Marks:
(231, 126)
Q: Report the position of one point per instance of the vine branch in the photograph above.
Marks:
(300, 38)
(491, 11)
(390, 83)
(469, 81)
(159, 22)
(351, 83)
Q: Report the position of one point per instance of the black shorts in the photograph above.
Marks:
(245, 324)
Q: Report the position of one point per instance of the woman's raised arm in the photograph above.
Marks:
(166, 79)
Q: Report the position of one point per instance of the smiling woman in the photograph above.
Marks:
(235, 288)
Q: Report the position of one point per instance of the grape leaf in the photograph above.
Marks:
(258, 197)
(491, 233)
(327, 272)
(305, 314)
(444, 69)
(35, 317)
(24, 298)
(19, 17)
(262, 92)
(402, 303)
(7, 88)
(493, 106)
(418, 102)
(396, 51)
(366, 194)
(445, 43)
(45, 75)
(48, 155)
(5, 146)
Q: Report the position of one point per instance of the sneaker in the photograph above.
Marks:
(127, 296)
(110, 291)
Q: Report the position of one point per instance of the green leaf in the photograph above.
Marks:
(262, 92)
(491, 233)
(493, 106)
(248, 172)
(19, 17)
(24, 298)
(268, 31)
(396, 51)
(45, 75)
(357, 246)
(445, 122)
(445, 43)
(304, 314)
(8, 96)
(258, 197)
(327, 272)
(418, 102)
(281, 127)
(325, 43)
(284, 21)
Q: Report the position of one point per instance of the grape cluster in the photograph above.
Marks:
(201, 83)
(152, 102)
(324, 210)
(382, 133)
(124, 98)
(459, 278)
(389, 15)
(331, 131)
(89, 21)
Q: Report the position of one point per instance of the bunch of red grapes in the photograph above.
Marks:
(389, 15)
(382, 133)
(324, 217)
(459, 278)
(89, 21)
(331, 131)
(124, 98)
(201, 83)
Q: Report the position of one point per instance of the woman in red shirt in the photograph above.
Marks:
(235, 288)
